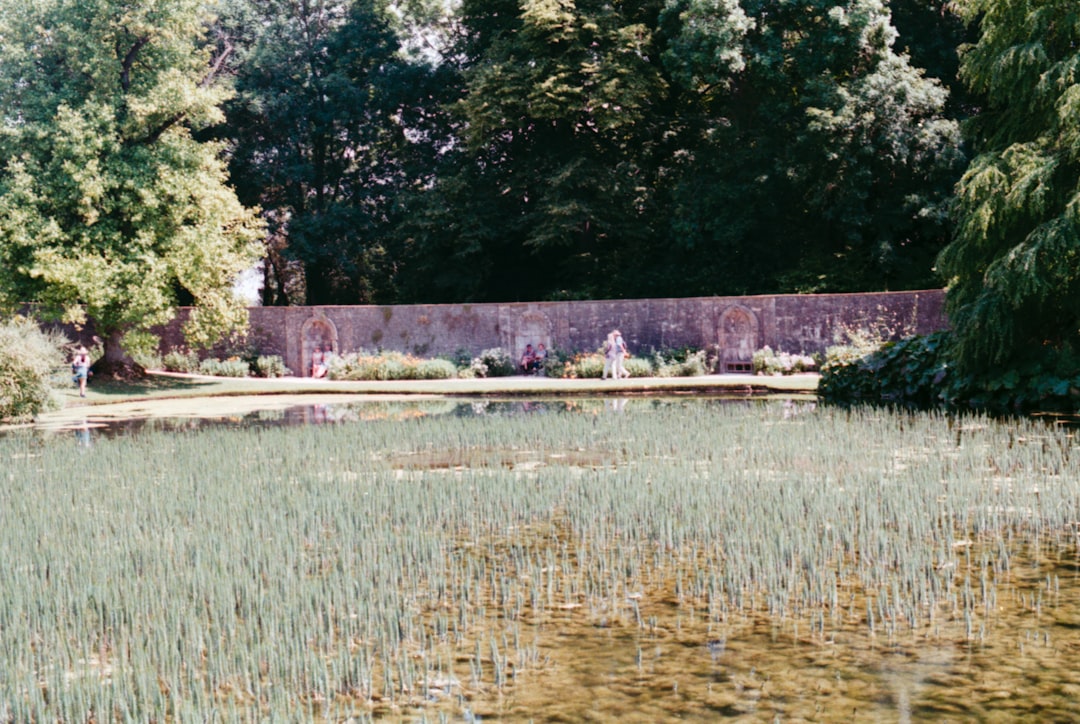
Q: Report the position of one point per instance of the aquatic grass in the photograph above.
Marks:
(335, 572)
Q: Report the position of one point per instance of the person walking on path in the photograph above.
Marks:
(620, 355)
(609, 355)
(614, 353)
(80, 368)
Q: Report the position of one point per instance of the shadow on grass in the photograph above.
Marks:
(148, 386)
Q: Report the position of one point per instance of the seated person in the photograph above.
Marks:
(528, 359)
(318, 361)
(540, 358)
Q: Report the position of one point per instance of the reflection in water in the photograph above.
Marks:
(372, 410)
(82, 434)
(615, 404)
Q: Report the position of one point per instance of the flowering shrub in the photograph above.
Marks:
(767, 362)
(364, 366)
(687, 364)
(494, 362)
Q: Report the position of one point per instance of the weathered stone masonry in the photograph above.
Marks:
(734, 327)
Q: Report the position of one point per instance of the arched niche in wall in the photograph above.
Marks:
(318, 332)
(737, 339)
(531, 328)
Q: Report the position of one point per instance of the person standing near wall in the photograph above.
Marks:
(80, 368)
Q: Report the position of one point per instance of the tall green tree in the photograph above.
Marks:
(328, 111)
(1013, 268)
(930, 33)
(109, 208)
(679, 147)
(551, 181)
(821, 161)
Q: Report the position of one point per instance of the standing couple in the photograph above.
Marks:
(614, 354)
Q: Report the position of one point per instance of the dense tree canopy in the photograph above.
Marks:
(515, 149)
(109, 208)
(685, 147)
(325, 96)
(1014, 266)
(820, 163)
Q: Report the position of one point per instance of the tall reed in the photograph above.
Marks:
(344, 571)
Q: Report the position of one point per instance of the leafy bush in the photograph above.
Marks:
(590, 365)
(232, 367)
(142, 348)
(31, 362)
(148, 361)
(910, 371)
(461, 358)
(586, 365)
(684, 363)
(177, 360)
(270, 365)
(387, 366)
(494, 362)
(436, 369)
(768, 362)
(638, 367)
(555, 363)
(916, 371)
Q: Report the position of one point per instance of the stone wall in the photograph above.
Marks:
(734, 327)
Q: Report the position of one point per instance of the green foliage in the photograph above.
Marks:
(641, 367)
(31, 363)
(178, 360)
(587, 365)
(910, 371)
(551, 180)
(590, 365)
(270, 365)
(231, 367)
(556, 362)
(387, 366)
(680, 148)
(1013, 268)
(682, 363)
(435, 369)
(768, 362)
(109, 205)
(494, 362)
(324, 98)
(918, 371)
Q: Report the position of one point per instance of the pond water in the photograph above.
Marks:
(303, 410)
(608, 559)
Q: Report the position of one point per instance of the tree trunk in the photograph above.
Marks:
(115, 363)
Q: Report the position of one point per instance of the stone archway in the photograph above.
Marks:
(316, 333)
(533, 327)
(738, 339)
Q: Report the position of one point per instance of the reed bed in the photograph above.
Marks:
(427, 565)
